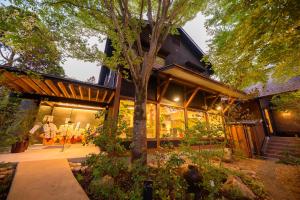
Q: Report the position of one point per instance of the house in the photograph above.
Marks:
(180, 91)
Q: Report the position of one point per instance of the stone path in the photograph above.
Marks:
(282, 182)
(45, 180)
(40, 152)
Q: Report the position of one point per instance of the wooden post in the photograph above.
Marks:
(116, 101)
(157, 132)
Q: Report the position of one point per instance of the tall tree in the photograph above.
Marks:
(26, 43)
(254, 39)
(123, 22)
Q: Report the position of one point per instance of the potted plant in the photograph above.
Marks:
(15, 122)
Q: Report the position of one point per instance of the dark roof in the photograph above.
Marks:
(272, 87)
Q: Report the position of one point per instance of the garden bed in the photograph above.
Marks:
(7, 171)
(224, 180)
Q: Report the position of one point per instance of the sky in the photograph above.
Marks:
(81, 70)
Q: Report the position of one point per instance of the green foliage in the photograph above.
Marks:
(256, 186)
(8, 113)
(252, 39)
(167, 182)
(286, 101)
(15, 123)
(112, 173)
(26, 43)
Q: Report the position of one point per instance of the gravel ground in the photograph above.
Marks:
(281, 181)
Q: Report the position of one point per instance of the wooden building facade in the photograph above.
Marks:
(180, 93)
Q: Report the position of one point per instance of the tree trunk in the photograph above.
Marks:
(139, 146)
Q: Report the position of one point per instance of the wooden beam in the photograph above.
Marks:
(89, 93)
(7, 82)
(97, 95)
(73, 92)
(32, 85)
(191, 97)
(54, 89)
(43, 86)
(80, 92)
(16, 80)
(228, 106)
(116, 102)
(104, 96)
(63, 89)
(213, 102)
(164, 90)
(111, 96)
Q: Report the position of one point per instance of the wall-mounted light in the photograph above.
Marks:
(176, 99)
(219, 107)
(286, 113)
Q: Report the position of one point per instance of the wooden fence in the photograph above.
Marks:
(246, 137)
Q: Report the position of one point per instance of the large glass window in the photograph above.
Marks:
(151, 120)
(216, 124)
(171, 122)
(55, 120)
(126, 113)
(196, 117)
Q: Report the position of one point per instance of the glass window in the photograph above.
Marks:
(126, 115)
(171, 122)
(216, 124)
(196, 117)
(151, 120)
(69, 120)
(126, 112)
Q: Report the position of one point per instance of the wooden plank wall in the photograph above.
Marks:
(246, 138)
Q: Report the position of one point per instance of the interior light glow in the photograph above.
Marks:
(219, 108)
(176, 99)
(286, 113)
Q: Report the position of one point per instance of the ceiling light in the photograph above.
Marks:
(176, 99)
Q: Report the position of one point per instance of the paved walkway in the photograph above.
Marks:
(45, 180)
(40, 152)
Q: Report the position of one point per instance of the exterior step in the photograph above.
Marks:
(281, 148)
(293, 139)
(279, 152)
(276, 146)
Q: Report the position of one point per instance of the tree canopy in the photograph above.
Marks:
(26, 43)
(252, 39)
(123, 22)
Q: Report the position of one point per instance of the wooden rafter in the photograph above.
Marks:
(63, 89)
(164, 90)
(32, 85)
(54, 89)
(104, 96)
(214, 101)
(17, 81)
(111, 96)
(191, 97)
(80, 92)
(228, 106)
(71, 87)
(89, 93)
(43, 86)
(97, 95)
